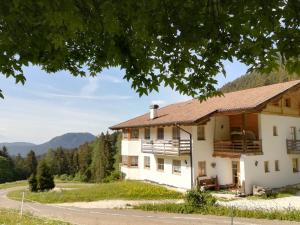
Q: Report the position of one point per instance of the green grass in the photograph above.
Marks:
(13, 184)
(12, 217)
(133, 190)
(291, 215)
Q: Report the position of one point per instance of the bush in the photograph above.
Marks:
(197, 198)
(33, 183)
(45, 179)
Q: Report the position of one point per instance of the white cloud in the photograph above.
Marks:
(91, 87)
(89, 97)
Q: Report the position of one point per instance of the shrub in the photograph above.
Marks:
(45, 179)
(33, 186)
(197, 198)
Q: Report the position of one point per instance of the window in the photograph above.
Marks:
(276, 103)
(134, 133)
(133, 161)
(146, 162)
(125, 133)
(201, 168)
(160, 133)
(160, 164)
(124, 160)
(277, 165)
(176, 166)
(293, 133)
(287, 102)
(266, 164)
(275, 131)
(200, 133)
(147, 133)
(295, 165)
(176, 133)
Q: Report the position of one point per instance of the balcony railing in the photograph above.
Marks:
(238, 146)
(293, 146)
(167, 147)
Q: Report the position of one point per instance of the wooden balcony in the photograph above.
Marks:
(167, 147)
(234, 148)
(293, 146)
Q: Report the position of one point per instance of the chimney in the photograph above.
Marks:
(153, 111)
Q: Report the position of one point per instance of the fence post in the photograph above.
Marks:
(232, 215)
(22, 203)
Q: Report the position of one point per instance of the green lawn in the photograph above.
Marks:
(14, 184)
(12, 217)
(291, 215)
(132, 190)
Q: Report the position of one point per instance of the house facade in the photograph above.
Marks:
(244, 138)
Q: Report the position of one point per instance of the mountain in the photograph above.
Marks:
(254, 79)
(68, 141)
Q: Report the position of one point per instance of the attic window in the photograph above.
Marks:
(287, 102)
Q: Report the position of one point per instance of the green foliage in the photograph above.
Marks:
(33, 185)
(181, 44)
(45, 180)
(196, 198)
(131, 190)
(8, 216)
(291, 215)
(6, 170)
(255, 79)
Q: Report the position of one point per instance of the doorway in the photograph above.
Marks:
(236, 173)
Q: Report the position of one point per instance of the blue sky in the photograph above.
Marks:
(53, 104)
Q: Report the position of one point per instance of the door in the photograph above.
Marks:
(236, 173)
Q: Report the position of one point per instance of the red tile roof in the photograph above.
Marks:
(191, 111)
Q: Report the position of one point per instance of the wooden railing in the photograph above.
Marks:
(167, 147)
(293, 146)
(238, 146)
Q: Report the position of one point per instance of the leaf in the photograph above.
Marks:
(1, 95)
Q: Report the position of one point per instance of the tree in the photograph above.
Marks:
(6, 170)
(180, 44)
(21, 168)
(45, 180)
(33, 185)
(31, 162)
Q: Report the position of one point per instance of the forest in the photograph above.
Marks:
(97, 161)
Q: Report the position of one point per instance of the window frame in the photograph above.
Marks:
(160, 135)
(133, 134)
(275, 131)
(125, 133)
(124, 160)
(175, 133)
(293, 131)
(202, 170)
(147, 165)
(277, 166)
(160, 165)
(147, 130)
(176, 169)
(130, 160)
(266, 167)
(295, 169)
(201, 138)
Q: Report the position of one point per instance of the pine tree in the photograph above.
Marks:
(31, 162)
(98, 164)
(45, 180)
(33, 185)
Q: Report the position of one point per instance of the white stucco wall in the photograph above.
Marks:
(274, 148)
(203, 151)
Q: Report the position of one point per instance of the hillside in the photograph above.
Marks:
(68, 141)
(254, 79)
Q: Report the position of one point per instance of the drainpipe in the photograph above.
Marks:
(191, 154)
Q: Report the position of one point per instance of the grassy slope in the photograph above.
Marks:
(291, 215)
(133, 190)
(12, 217)
(13, 184)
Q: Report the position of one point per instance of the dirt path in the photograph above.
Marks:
(89, 216)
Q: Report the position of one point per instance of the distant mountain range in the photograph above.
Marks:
(68, 141)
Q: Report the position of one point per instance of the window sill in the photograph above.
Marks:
(160, 170)
(177, 173)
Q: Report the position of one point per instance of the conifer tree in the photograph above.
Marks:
(31, 162)
(45, 180)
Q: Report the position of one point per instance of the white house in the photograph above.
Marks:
(244, 138)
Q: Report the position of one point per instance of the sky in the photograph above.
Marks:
(49, 105)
